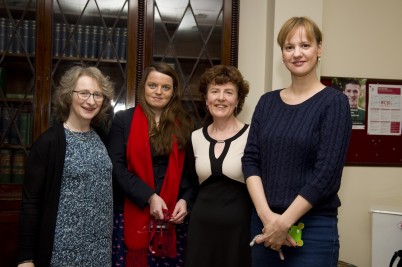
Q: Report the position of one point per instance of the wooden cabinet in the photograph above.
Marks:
(40, 39)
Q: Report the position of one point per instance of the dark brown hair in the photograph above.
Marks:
(174, 120)
(222, 74)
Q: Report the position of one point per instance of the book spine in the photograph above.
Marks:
(16, 39)
(25, 34)
(13, 127)
(116, 43)
(2, 82)
(5, 165)
(86, 41)
(123, 44)
(107, 44)
(2, 34)
(6, 125)
(95, 42)
(72, 49)
(9, 37)
(101, 42)
(79, 40)
(32, 37)
(23, 124)
(56, 39)
(18, 167)
(63, 40)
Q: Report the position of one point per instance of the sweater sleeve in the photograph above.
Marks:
(335, 130)
(251, 158)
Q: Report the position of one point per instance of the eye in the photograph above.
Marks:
(229, 92)
(98, 96)
(166, 87)
(306, 46)
(84, 94)
(288, 48)
(152, 85)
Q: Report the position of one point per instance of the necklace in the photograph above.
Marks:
(75, 135)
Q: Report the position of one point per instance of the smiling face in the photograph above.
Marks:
(222, 100)
(300, 55)
(85, 110)
(158, 91)
(352, 91)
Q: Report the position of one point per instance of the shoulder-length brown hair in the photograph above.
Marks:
(62, 97)
(174, 120)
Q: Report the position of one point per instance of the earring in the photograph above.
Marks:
(319, 59)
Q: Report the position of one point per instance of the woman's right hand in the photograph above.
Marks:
(156, 205)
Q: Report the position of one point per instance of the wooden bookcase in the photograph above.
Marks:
(40, 39)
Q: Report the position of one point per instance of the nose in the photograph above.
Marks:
(91, 99)
(297, 52)
(158, 89)
(221, 96)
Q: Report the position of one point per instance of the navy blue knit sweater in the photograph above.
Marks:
(299, 149)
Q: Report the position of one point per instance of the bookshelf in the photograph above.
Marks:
(40, 39)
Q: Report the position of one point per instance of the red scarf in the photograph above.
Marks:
(139, 161)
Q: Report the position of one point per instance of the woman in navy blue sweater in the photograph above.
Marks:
(294, 158)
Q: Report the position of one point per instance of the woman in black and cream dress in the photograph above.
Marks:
(219, 227)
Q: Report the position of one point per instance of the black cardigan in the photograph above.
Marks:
(125, 183)
(41, 194)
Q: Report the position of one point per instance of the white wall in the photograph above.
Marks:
(361, 39)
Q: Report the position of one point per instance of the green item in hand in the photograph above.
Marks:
(296, 233)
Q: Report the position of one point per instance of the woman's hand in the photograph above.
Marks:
(156, 205)
(179, 212)
(275, 233)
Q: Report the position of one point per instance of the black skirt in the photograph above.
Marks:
(219, 228)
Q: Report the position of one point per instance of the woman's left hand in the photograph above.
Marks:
(179, 212)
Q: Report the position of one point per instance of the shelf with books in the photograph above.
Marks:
(89, 42)
(12, 166)
(17, 36)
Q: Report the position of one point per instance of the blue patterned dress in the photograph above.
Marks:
(83, 235)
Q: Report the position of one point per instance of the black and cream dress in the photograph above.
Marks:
(219, 227)
(83, 235)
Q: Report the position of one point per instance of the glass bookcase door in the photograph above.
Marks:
(189, 34)
(91, 33)
(17, 86)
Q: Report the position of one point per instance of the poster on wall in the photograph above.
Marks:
(355, 90)
(385, 109)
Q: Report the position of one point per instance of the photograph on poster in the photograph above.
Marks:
(355, 90)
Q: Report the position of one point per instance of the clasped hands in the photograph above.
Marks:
(275, 234)
(157, 205)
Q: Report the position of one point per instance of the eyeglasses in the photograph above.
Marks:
(84, 95)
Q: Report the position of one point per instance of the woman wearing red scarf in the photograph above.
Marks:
(151, 171)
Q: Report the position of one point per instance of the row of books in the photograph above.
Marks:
(69, 40)
(12, 166)
(89, 41)
(17, 37)
(16, 127)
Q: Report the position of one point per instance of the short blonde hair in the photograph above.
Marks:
(292, 24)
